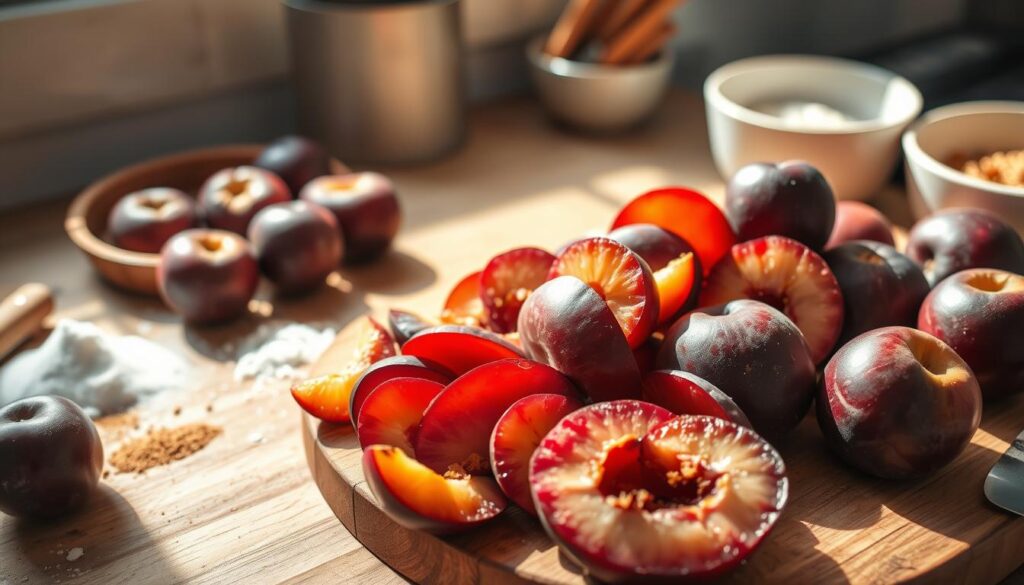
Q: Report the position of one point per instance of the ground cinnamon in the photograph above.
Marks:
(162, 446)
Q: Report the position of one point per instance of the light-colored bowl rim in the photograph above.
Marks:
(714, 96)
(915, 153)
(77, 227)
(570, 69)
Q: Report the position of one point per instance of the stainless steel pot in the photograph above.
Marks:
(379, 82)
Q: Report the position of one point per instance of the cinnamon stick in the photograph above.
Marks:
(572, 28)
(619, 14)
(646, 25)
(653, 45)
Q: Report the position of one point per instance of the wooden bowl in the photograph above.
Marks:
(86, 222)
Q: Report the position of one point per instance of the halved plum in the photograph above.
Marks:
(392, 412)
(356, 348)
(632, 493)
(789, 276)
(404, 325)
(507, 280)
(516, 436)
(417, 498)
(464, 305)
(620, 277)
(459, 348)
(686, 213)
(399, 366)
(685, 393)
(568, 326)
(456, 428)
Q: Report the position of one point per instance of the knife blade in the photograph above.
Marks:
(1004, 485)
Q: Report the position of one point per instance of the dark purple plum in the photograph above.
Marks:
(50, 457)
(880, 286)
(753, 353)
(898, 403)
(296, 159)
(143, 221)
(207, 276)
(980, 314)
(957, 239)
(789, 199)
(231, 197)
(366, 206)
(297, 244)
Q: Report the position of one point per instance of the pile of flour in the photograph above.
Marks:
(101, 372)
(280, 352)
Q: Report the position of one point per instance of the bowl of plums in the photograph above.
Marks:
(200, 228)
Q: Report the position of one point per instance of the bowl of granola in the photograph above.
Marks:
(969, 154)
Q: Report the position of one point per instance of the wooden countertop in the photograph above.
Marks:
(245, 508)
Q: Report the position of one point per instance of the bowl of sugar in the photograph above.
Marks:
(844, 117)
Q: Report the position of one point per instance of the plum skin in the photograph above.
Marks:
(753, 353)
(568, 326)
(952, 240)
(296, 244)
(885, 413)
(207, 286)
(790, 199)
(50, 457)
(985, 327)
(880, 286)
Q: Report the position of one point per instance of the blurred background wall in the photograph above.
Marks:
(90, 85)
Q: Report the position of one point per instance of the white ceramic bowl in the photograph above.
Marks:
(598, 98)
(970, 128)
(856, 155)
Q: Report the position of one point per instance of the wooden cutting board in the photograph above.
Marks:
(839, 526)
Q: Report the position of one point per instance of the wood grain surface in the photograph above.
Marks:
(245, 509)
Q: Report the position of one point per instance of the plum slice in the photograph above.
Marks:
(507, 280)
(357, 347)
(392, 412)
(685, 393)
(404, 325)
(787, 275)
(417, 498)
(686, 213)
(678, 284)
(568, 326)
(620, 277)
(399, 366)
(632, 493)
(459, 348)
(464, 305)
(456, 428)
(516, 436)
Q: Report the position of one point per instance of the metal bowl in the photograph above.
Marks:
(598, 98)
